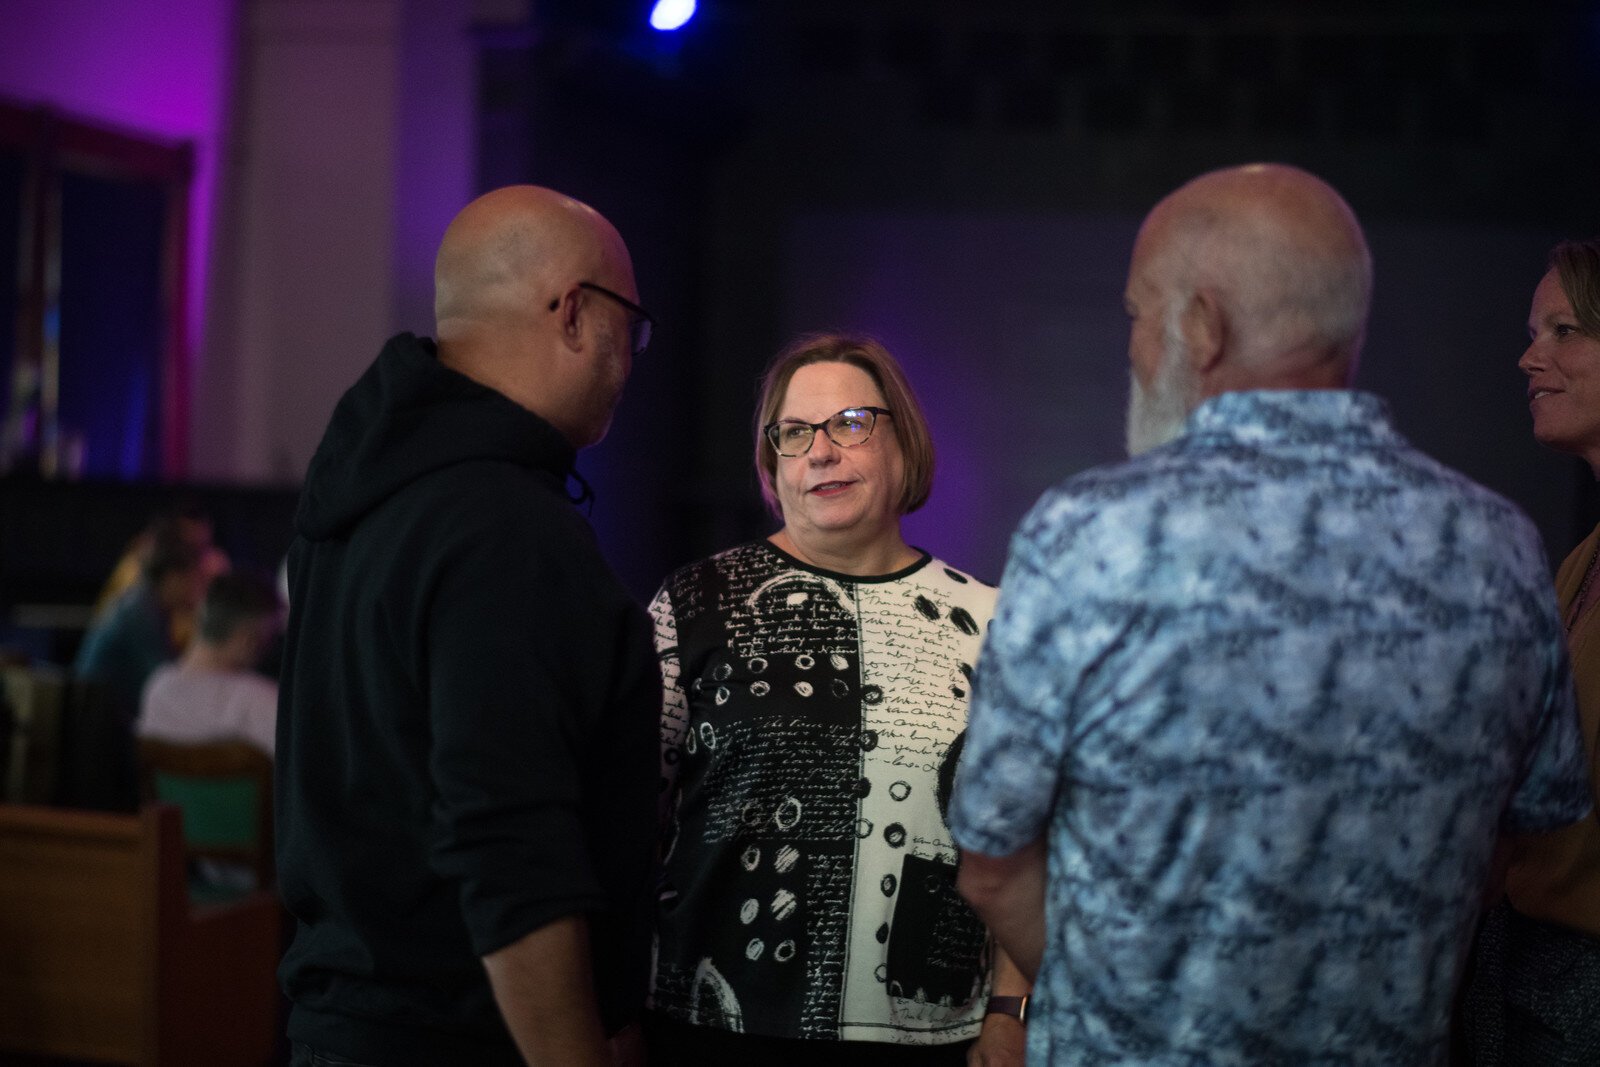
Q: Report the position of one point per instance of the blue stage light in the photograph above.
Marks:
(671, 14)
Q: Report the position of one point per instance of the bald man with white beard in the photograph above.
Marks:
(467, 729)
(1256, 703)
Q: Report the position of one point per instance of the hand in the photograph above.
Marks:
(1003, 1042)
(627, 1047)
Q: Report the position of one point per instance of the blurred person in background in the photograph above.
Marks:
(134, 635)
(195, 527)
(214, 692)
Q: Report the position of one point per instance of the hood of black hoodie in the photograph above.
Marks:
(407, 416)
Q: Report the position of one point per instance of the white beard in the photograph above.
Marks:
(1158, 415)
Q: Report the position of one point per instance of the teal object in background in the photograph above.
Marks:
(216, 812)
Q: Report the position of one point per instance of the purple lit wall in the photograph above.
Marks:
(155, 67)
(334, 141)
(1012, 331)
(435, 144)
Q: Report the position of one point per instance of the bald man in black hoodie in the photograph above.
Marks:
(466, 741)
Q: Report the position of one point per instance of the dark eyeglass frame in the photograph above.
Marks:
(770, 430)
(641, 324)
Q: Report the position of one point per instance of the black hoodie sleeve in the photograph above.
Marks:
(521, 627)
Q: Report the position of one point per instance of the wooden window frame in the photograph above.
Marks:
(52, 144)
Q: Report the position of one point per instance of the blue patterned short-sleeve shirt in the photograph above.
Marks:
(1269, 693)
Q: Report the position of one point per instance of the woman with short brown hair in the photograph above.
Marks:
(815, 695)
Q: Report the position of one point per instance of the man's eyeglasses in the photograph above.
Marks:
(640, 322)
(847, 429)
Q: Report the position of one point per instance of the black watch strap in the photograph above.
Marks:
(1016, 1007)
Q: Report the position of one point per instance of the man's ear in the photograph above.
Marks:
(1205, 330)
(567, 308)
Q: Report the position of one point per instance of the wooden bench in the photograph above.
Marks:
(102, 956)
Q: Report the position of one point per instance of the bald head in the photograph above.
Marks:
(511, 312)
(516, 247)
(1270, 266)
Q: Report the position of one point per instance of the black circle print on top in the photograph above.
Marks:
(833, 703)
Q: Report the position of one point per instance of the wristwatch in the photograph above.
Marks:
(1016, 1007)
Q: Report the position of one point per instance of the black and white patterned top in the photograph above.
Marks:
(809, 734)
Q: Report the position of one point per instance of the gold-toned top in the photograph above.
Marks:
(1555, 876)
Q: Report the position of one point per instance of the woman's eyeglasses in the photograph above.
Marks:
(847, 429)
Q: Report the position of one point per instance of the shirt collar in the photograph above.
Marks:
(1293, 414)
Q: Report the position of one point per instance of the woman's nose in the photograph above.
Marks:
(1531, 360)
(823, 450)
